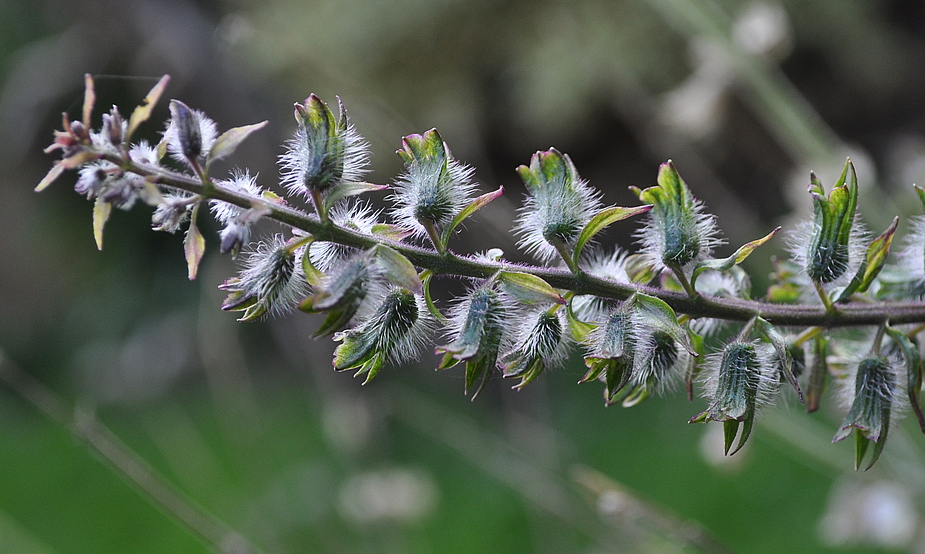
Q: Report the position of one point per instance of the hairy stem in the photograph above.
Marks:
(732, 309)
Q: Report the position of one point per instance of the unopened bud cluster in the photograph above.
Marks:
(668, 316)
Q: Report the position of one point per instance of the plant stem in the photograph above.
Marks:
(824, 296)
(434, 236)
(136, 472)
(682, 278)
(732, 309)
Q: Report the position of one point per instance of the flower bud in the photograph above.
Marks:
(875, 399)
(114, 127)
(478, 327)
(560, 204)
(92, 178)
(656, 365)
(738, 382)
(394, 332)
(190, 134)
(173, 211)
(271, 282)
(434, 187)
(542, 342)
(324, 151)
(831, 245)
(677, 232)
(342, 293)
(612, 352)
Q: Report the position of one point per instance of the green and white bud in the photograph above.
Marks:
(393, 333)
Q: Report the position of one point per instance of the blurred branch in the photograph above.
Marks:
(124, 461)
(544, 486)
(799, 128)
(623, 506)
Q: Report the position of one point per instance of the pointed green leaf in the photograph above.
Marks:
(735, 259)
(473, 206)
(920, 192)
(769, 333)
(578, 328)
(253, 312)
(700, 418)
(818, 373)
(312, 274)
(600, 221)
(635, 396)
(427, 276)
(194, 245)
(640, 269)
(595, 367)
(143, 111)
(528, 288)
(747, 425)
(347, 189)
(391, 232)
(398, 269)
(692, 366)
(659, 313)
(101, 211)
(877, 253)
(913, 371)
(860, 447)
(880, 442)
(730, 427)
(228, 142)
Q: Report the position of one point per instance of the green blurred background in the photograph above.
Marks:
(249, 421)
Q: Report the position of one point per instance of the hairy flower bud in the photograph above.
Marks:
(677, 232)
(324, 151)
(173, 211)
(542, 342)
(238, 221)
(558, 206)
(831, 245)
(612, 351)
(394, 332)
(876, 398)
(271, 282)
(738, 382)
(342, 293)
(190, 134)
(114, 127)
(434, 187)
(478, 327)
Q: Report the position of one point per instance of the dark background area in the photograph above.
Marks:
(250, 421)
